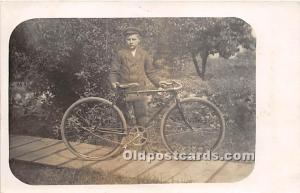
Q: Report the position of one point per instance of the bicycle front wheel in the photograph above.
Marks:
(193, 125)
(93, 128)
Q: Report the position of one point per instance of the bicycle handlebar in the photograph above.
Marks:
(172, 82)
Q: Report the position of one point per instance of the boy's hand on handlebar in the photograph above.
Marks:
(172, 84)
(164, 83)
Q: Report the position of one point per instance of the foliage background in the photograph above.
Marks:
(54, 62)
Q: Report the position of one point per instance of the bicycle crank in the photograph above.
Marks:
(137, 136)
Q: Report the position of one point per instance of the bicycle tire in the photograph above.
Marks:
(81, 133)
(191, 116)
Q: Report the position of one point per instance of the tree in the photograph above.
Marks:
(193, 36)
(65, 59)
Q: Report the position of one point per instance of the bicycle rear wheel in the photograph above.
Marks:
(196, 125)
(93, 128)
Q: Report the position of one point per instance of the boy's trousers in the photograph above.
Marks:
(139, 104)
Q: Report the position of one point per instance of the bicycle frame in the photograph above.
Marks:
(166, 104)
(120, 136)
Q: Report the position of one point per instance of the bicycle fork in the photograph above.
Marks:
(178, 104)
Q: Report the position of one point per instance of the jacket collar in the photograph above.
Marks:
(137, 52)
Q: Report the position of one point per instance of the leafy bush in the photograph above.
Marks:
(62, 60)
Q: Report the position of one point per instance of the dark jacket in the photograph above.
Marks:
(126, 68)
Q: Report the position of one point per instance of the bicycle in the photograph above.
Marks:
(94, 128)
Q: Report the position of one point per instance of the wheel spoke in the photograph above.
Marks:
(94, 134)
(200, 125)
(96, 124)
(193, 131)
(80, 116)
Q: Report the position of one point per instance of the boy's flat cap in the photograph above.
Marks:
(132, 30)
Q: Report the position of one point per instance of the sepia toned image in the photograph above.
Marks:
(132, 100)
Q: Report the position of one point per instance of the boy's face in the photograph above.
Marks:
(132, 41)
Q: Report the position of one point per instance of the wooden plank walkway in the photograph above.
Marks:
(53, 152)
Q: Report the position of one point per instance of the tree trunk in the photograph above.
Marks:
(194, 56)
(204, 56)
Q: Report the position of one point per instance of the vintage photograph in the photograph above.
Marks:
(132, 100)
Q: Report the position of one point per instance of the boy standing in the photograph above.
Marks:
(134, 64)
